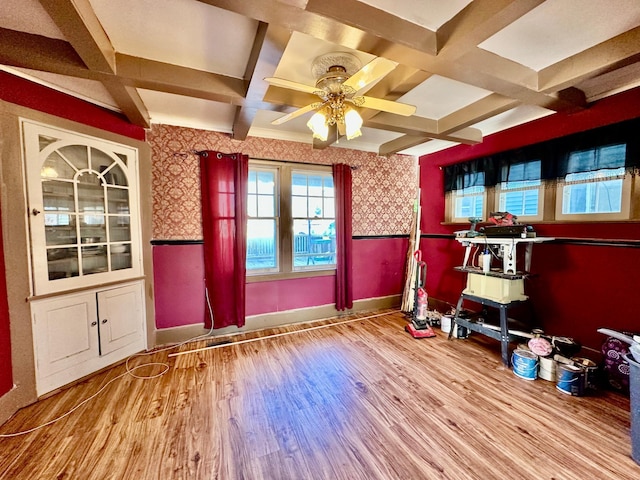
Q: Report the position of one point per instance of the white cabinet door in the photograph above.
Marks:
(65, 333)
(120, 316)
(83, 209)
(77, 334)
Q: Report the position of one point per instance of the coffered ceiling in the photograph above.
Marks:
(471, 68)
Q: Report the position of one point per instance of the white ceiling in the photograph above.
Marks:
(470, 68)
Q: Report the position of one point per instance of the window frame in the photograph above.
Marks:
(450, 203)
(625, 205)
(277, 219)
(284, 239)
(499, 189)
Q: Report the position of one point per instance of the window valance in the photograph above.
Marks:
(576, 153)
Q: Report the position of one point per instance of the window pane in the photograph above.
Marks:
(298, 184)
(261, 244)
(469, 202)
(329, 207)
(593, 197)
(315, 185)
(328, 187)
(252, 188)
(299, 207)
(266, 182)
(313, 209)
(314, 243)
(266, 206)
(520, 203)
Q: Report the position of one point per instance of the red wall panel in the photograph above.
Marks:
(38, 97)
(577, 288)
(378, 270)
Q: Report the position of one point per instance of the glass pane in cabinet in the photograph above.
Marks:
(116, 176)
(60, 233)
(91, 192)
(87, 179)
(93, 229)
(52, 190)
(77, 155)
(100, 161)
(123, 158)
(62, 263)
(120, 256)
(118, 201)
(55, 166)
(119, 231)
(44, 141)
(94, 260)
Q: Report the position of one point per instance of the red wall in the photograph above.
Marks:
(579, 288)
(378, 270)
(28, 94)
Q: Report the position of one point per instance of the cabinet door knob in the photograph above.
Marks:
(35, 212)
(93, 324)
(104, 321)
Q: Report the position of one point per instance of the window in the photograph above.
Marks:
(599, 194)
(291, 225)
(518, 195)
(263, 222)
(313, 212)
(470, 201)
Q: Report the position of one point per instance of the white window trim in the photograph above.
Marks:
(624, 214)
(284, 253)
(450, 204)
(529, 218)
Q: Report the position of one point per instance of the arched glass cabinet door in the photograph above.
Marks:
(83, 209)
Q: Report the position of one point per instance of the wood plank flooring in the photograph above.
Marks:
(358, 400)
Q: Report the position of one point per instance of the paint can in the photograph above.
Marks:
(570, 380)
(525, 364)
(590, 369)
(547, 370)
(445, 323)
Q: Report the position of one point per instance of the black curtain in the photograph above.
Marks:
(580, 152)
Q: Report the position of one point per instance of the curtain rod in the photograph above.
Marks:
(198, 152)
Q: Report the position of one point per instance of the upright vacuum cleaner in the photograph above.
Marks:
(419, 326)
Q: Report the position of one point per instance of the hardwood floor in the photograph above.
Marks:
(358, 400)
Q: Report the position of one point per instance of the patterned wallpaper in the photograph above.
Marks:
(383, 188)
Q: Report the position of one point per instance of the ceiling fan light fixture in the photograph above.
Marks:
(352, 123)
(318, 125)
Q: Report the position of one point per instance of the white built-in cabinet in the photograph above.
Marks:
(80, 333)
(87, 298)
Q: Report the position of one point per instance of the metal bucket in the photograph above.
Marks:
(525, 364)
(570, 380)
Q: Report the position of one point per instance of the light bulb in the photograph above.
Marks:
(318, 126)
(353, 122)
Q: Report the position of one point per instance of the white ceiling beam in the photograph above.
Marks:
(605, 57)
(269, 45)
(79, 24)
(376, 22)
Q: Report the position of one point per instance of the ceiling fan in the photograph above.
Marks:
(339, 80)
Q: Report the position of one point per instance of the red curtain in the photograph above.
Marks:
(224, 179)
(344, 276)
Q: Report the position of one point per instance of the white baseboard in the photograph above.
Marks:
(168, 336)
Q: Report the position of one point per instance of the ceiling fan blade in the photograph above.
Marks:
(372, 71)
(389, 106)
(294, 114)
(281, 82)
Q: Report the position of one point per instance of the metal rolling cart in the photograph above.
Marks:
(498, 288)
